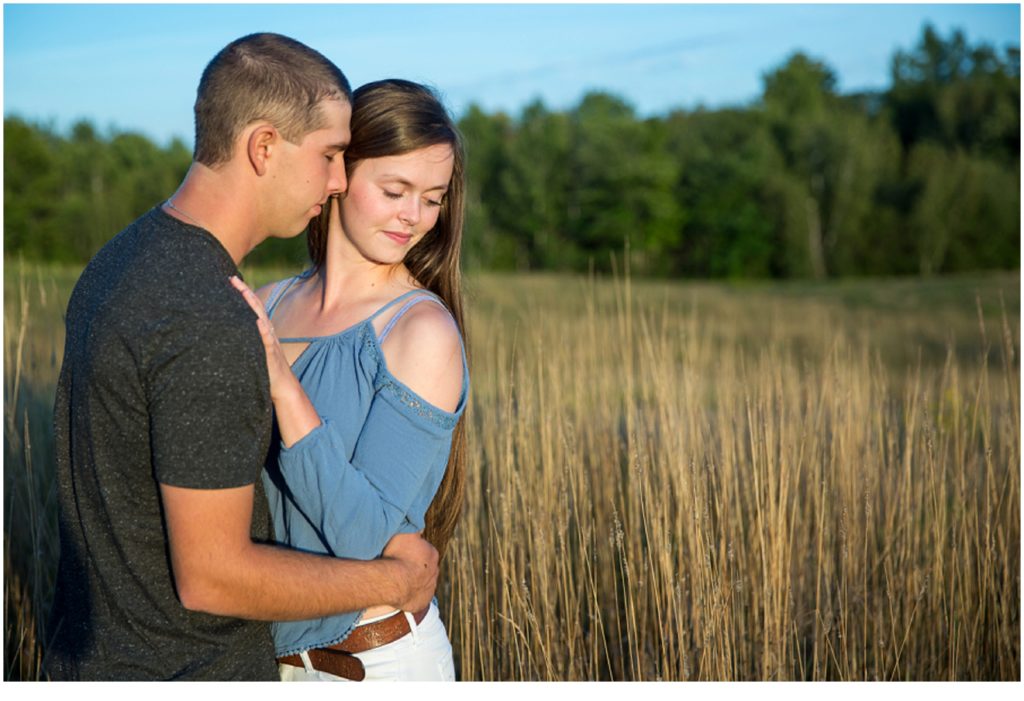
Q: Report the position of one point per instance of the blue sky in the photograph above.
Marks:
(136, 66)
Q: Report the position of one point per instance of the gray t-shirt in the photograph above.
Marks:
(164, 380)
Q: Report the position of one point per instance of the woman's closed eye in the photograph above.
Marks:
(398, 195)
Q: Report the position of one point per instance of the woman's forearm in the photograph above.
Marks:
(296, 415)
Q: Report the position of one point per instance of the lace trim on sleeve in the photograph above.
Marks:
(386, 383)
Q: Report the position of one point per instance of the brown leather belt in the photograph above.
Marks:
(340, 659)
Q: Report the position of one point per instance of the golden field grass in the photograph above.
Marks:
(679, 481)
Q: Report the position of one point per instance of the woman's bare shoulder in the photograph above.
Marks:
(424, 352)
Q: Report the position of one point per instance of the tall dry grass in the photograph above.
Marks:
(34, 301)
(701, 482)
(685, 481)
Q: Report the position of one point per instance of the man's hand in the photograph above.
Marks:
(418, 560)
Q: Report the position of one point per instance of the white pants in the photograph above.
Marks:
(425, 654)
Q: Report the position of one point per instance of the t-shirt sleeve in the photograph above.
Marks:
(358, 505)
(209, 402)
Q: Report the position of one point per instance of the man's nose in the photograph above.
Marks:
(337, 182)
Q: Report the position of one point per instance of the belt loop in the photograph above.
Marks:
(310, 669)
(412, 627)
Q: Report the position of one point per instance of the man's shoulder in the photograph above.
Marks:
(156, 249)
(182, 255)
(160, 277)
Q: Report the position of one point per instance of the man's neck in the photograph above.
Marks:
(212, 200)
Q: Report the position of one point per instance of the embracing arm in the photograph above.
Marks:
(218, 568)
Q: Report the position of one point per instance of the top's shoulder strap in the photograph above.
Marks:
(278, 293)
(412, 299)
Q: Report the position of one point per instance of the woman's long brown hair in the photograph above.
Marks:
(391, 118)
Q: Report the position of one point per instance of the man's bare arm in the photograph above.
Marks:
(219, 570)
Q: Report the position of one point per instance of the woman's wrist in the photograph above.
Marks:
(285, 390)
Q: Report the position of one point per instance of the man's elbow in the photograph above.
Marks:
(205, 588)
(210, 546)
(199, 595)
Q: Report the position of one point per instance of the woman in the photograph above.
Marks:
(369, 380)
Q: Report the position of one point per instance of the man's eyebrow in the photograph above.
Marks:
(341, 146)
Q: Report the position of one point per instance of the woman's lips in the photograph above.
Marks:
(398, 237)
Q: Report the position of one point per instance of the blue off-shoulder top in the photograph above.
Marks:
(371, 468)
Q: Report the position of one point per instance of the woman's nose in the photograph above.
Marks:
(410, 214)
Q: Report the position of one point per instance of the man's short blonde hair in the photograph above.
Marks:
(263, 77)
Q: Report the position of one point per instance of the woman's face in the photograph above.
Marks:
(393, 201)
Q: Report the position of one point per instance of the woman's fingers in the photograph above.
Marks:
(249, 296)
(266, 328)
(277, 364)
(278, 369)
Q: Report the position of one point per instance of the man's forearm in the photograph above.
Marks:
(271, 583)
(219, 569)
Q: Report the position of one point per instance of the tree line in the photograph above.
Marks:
(921, 178)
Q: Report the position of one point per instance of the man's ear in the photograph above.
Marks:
(260, 144)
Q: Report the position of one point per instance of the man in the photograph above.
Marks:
(163, 415)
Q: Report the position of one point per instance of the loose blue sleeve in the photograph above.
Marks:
(357, 505)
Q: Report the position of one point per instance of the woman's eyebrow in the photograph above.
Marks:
(403, 181)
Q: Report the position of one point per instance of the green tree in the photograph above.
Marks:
(948, 92)
(838, 156)
(486, 140)
(31, 192)
(964, 204)
(533, 184)
(957, 111)
(621, 186)
(728, 191)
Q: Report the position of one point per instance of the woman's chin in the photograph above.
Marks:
(386, 257)
(385, 261)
